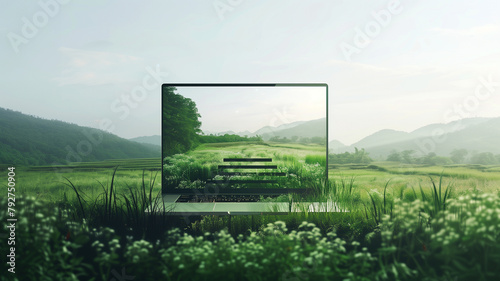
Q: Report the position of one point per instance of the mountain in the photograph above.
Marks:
(454, 126)
(29, 140)
(382, 137)
(246, 133)
(268, 130)
(154, 140)
(335, 146)
(309, 129)
(473, 134)
(312, 128)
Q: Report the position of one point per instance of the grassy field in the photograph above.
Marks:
(403, 224)
(403, 177)
(52, 183)
(296, 165)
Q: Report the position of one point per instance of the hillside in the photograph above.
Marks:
(309, 129)
(312, 128)
(335, 146)
(473, 134)
(383, 137)
(268, 130)
(153, 140)
(29, 140)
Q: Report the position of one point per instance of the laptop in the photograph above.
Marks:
(230, 149)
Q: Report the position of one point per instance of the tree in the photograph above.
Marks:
(485, 158)
(318, 140)
(432, 159)
(394, 156)
(406, 155)
(275, 138)
(359, 156)
(458, 155)
(180, 124)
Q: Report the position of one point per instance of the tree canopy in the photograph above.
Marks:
(180, 122)
(359, 156)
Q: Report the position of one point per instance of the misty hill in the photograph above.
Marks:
(309, 129)
(335, 146)
(383, 137)
(29, 140)
(473, 134)
(268, 130)
(153, 140)
(447, 128)
(312, 128)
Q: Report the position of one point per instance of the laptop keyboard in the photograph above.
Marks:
(192, 198)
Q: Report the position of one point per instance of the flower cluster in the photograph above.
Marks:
(470, 221)
(106, 245)
(463, 236)
(304, 253)
(138, 251)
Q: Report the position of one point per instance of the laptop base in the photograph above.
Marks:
(171, 207)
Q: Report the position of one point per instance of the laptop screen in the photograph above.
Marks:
(246, 138)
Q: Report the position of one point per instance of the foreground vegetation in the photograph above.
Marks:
(401, 225)
(414, 241)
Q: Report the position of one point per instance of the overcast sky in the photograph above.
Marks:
(389, 65)
(240, 109)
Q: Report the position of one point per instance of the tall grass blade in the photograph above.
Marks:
(111, 193)
(78, 197)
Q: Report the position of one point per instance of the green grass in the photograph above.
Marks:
(125, 164)
(49, 183)
(457, 243)
(301, 164)
(404, 222)
(316, 159)
(373, 177)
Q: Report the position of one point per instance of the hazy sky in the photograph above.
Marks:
(241, 109)
(397, 65)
